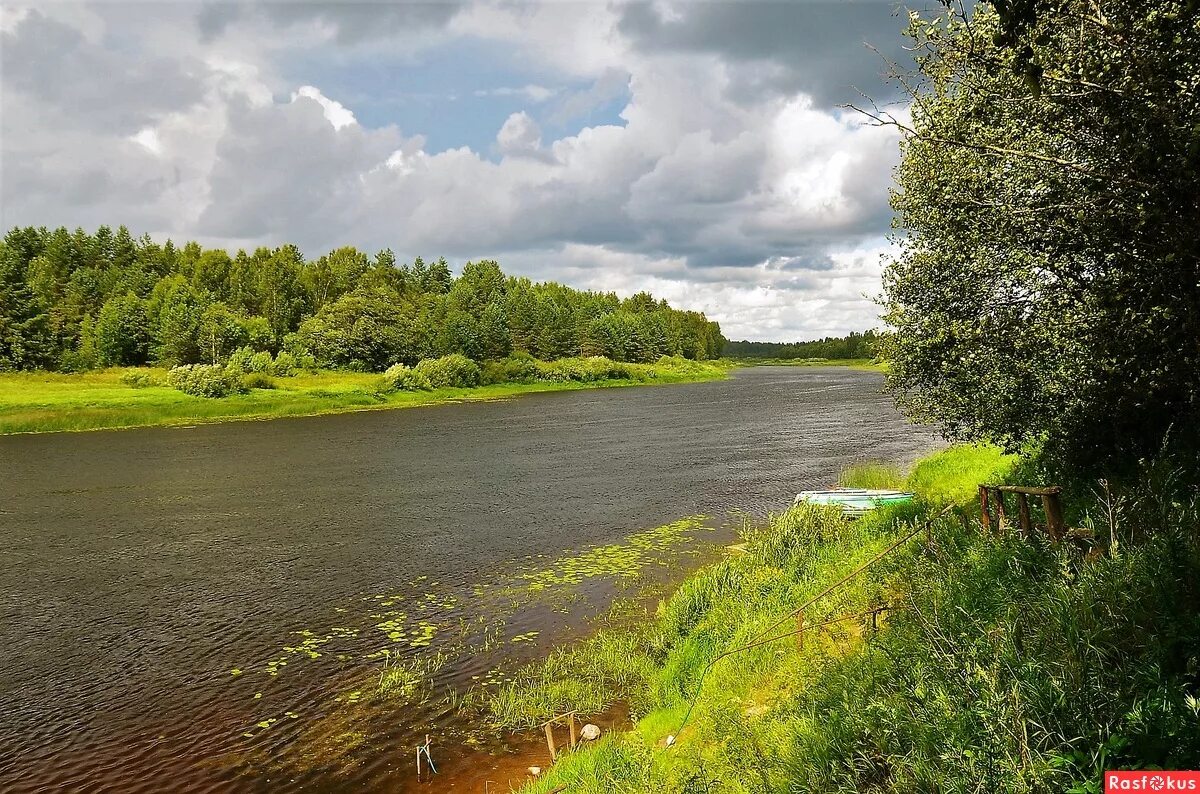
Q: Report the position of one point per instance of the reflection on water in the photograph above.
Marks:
(290, 604)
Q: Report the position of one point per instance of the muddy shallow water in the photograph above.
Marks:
(212, 608)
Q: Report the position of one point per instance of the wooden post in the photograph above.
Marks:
(571, 717)
(1001, 514)
(1055, 524)
(550, 741)
(985, 513)
(1023, 514)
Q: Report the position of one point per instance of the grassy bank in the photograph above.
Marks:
(47, 402)
(1000, 664)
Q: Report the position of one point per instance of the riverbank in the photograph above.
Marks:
(41, 402)
(1018, 666)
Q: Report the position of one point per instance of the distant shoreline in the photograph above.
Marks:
(47, 402)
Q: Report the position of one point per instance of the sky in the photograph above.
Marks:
(698, 150)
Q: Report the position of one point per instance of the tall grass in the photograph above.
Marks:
(1002, 664)
(873, 476)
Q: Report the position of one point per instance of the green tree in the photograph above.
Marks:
(175, 312)
(333, 275)
(1047, 291)
(122, 331)
(220, 331)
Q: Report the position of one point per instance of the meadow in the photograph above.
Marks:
(45, 401)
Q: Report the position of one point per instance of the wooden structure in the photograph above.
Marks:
(991, 498)
(548, 727)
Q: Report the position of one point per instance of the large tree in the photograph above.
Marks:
(1048, 289)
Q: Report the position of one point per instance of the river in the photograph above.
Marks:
(210, 608)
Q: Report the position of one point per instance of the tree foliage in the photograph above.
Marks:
(1049, 193)
(853, 345)
(72, 300)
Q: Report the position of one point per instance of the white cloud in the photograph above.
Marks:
(335, 112)
(148, 138)
(534, 93)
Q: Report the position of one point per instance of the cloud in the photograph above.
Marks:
(335, 112)
(722, 184)
(824, 48)
(346, 22)
(86, 85)
(533, 93)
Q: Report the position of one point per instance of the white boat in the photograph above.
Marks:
(854, 501)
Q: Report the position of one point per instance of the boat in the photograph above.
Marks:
(854, 502)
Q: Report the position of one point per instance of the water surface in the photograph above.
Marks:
(208, 608)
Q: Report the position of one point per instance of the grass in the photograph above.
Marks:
(33, 402)
(1002, 665)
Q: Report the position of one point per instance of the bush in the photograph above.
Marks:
(258, 380)
(204, 380)
(285, 365)
(454, 370)
(400, 377)
(239, 360)
(260, 362)
(588, 370)
(517, 368)
(140, 380)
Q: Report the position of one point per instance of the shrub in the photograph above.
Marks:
(517, 368)
(588, 370)
(400, 377)
(204, 380)
(454, 370)
(239, 360)
(260, 362)
(285, 365)
(139, 380)
(257, 380)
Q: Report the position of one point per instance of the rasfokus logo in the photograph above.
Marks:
(1151, 781)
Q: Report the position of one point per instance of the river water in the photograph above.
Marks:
(211, 608)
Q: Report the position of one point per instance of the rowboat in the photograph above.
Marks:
(854, 502)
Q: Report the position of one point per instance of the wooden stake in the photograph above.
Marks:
(571, 717)
(550, 742)
(1023, 513)
(985, 514)
(1055, 524)
(1001, 513)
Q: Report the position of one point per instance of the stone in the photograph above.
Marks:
(590, 732)
(535, 771)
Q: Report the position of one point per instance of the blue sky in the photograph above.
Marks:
(457, 95)
(697, 150)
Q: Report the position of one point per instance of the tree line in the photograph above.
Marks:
(72, 301)
(853, 345)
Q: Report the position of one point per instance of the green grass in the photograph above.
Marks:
(872, 475)
(1004, 665)
(47, 402)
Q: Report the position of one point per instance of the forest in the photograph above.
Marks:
(73, 301)
(853, 345)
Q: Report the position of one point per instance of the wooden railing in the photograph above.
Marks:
(992, 497)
